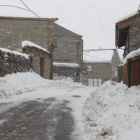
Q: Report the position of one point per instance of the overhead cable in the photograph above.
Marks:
(30, 9)
(15, 7)
(77, 15)
(96, 57)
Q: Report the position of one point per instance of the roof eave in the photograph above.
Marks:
(28, 18)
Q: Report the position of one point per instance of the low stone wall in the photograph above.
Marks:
(12, 62)
(62, 71)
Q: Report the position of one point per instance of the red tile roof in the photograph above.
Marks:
(27, 18)
(128, 19)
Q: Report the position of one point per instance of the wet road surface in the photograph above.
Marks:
(42, 119)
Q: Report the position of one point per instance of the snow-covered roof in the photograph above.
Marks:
(98, 56)
(131, 55)
(127, 18)
(17, 13)
(31, 44)
(14, 52)
(72, 65)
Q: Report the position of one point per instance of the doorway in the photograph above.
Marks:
(42, 67)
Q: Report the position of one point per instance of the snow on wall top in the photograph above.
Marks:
(14, 52)
(98, 56)
(73, 65)
(31, 44)
(131, 55)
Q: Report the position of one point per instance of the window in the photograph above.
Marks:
(89, 68)
(76, 74)
(116, 71)
(113, 68)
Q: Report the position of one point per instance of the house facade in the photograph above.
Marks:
(100, 66)
(128, 33)
(68, 55)
(15, 30)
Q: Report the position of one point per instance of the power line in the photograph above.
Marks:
(30, 9)
(15, 7)
(80, 13)
(96, 57)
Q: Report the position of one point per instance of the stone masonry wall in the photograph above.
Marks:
(69, 50)
(13, 31)
(36, 54)
(134, 43)
(13, 63)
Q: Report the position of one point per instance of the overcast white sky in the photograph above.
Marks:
(97, 25)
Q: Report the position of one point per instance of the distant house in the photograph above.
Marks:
(15, 30)
(68, 55)
(99, 66)
(128, 33)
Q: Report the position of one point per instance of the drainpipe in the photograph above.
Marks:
(129, 72)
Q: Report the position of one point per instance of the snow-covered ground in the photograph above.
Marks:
(112, 112)
(15, 84)
(21, 88)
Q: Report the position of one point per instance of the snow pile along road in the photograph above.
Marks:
(14, 84)
(112, 112)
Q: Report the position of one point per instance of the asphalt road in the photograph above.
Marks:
(41, 119)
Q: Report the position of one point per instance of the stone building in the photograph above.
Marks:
(41, 58)
(15, 30)
(128, 33)
(99, 66)
(68, 55)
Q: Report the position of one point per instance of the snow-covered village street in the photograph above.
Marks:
(33, 108)
(42, 118)
(70, 70)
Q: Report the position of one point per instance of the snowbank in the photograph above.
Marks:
(14, 52)
(31, 44)
(26, 82)
(131, 55)
(112, 112)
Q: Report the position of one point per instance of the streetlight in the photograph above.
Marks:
(52, 47)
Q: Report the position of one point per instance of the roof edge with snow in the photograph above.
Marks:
(27, 43)
(131, 55)
(72, 65)
(127, 18)
(91, 62)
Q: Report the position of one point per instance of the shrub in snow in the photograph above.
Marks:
(112, 112)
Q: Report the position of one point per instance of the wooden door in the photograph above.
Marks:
(41, 67)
